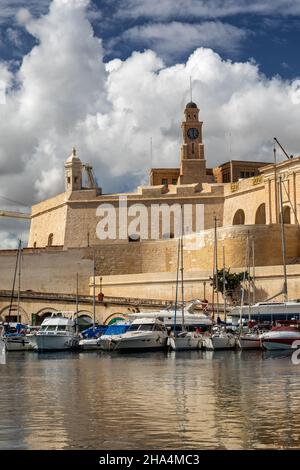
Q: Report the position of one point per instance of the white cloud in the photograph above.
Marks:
(172, 39)
(10, 8)
(170, 9)
(64, 95)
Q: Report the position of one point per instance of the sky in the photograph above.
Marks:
(108, 76)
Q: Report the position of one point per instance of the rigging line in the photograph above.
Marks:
(15, 202)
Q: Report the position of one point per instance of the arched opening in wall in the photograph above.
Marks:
(84, 321)
(14, 316)
(114, 318)
(260, 216)
(50, 239)
(286, 215)
(34, 245)
(39, 317)
(239, 218)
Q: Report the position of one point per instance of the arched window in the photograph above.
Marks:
(239, 217)
(34, 245)
(50, 239)
(286, 215)
(260, 216)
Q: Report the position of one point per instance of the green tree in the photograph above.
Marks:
(232, 281)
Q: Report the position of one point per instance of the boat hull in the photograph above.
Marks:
(89, 344)
(249, 342)
(219, 342)
(17, 344)
(279, 340)
(53, 342)
(185, 343)
(141, 342)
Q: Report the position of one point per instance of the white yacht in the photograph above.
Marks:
(267, 312)
(57, 332)
(143, 334)
(219, 339)
(192, 319)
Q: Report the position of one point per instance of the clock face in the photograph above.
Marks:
(193, 133)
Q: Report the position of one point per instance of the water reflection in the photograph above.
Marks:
(203, 400)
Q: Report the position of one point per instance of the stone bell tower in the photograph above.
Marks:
(193, 165)
(73, 173)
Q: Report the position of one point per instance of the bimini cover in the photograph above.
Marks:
(94, 332)
(117, 329)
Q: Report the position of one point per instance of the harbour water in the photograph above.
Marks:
(193, 400)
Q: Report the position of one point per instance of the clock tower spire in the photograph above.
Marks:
(193, 165)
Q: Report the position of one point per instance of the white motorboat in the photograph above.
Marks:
(143, 334)
(192, 319)
(280, 338)
(90, 337)
(219, 339)
(111, 336)
(267, 312)
(57, 333)
(186, 340)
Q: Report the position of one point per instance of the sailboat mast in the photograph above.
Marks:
(224, 286)
(216, 264)
(14, 283)
(253, 271)
(177, 281)
(182, 268)
(19, 280)
(248, 270)
(77, 305)
(94, 290)
(285, 285)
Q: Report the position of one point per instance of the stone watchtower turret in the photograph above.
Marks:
(192, 165)
(73, 173)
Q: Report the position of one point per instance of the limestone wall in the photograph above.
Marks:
(269, 281)
(48, 217)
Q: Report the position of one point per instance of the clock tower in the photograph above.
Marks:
(193, 165)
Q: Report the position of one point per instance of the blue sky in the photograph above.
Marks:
(266, 31)
(110, 76)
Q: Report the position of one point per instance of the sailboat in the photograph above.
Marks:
(90, 340)
(250, 339)
(219, 337)
(184, 340)
(14, 334)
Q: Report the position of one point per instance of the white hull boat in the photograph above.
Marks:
(144, 334)
(280, 338)
(219, 340)
(249, 341)
(185, 342)
(89, 344)
(57, 333)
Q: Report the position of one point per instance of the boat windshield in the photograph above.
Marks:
(61, 328)
(133, 327)
(143, 327)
